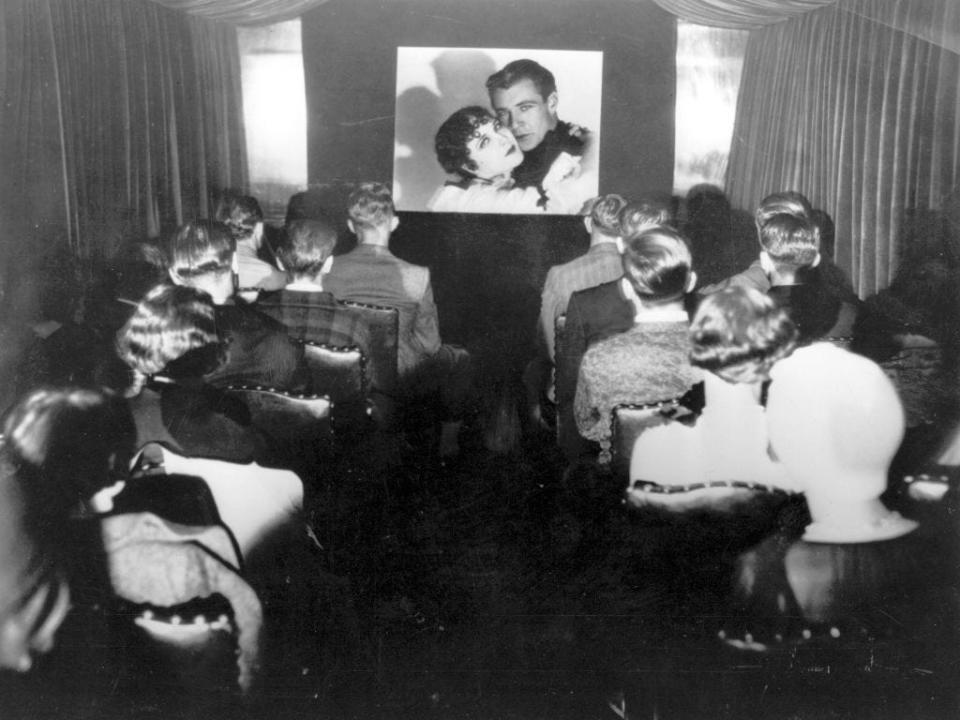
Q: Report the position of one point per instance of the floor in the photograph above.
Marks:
(500, 587)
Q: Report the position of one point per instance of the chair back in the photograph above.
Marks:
(629, 420)
(340, 373)
(183, 499)
(297, 427)
(917, 372)
(384, 325)
(190, 650)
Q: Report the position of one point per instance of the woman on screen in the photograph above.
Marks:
(473, 147)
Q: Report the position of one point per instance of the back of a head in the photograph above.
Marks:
(240, 214)
(739, 334)
(306, 246)
(201, 247)
(523, 69)
(68, 442)
(787, 202)
(790, 241)
(604, 213)
(172, 323)
(835, 417)
(370, 205)
(639, 215)
(658, 265)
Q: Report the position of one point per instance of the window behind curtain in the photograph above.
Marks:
(709, 61)
(275, 113)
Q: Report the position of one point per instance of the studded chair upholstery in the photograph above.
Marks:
(297, 427)
(628, 421)
(340, 373)
(384, 325)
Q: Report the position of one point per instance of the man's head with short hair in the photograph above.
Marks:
(524, 96)
(658, 265)
(306, 247)
(789, 244)
(602, 214)
(370, 205)
(241, 214)
(201, 254)
(787, 202)
(642, 214)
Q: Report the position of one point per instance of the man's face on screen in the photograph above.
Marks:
(527, 114)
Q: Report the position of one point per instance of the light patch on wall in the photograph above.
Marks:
(275, 112)
(709, 63)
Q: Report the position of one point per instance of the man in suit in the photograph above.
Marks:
(608, 219)
(259, 350)
(307, 309)
(371, 274)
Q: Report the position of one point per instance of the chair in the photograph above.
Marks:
(629, 420)
(916, 371)
(340, 373)
(297, 427)
(384, 325)
(184, 499)
(565, 368)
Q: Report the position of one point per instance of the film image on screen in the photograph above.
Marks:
(510, 131)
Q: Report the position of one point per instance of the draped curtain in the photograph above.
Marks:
(120, 118)
(244, 12)
(862, 118)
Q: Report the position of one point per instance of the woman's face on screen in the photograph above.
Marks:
(493, 150)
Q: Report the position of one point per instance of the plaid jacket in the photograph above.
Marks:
(316, 317)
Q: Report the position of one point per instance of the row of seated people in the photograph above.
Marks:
(295, 330)
(742, 405)
(212, 397)
(803, 485)
(614, 321)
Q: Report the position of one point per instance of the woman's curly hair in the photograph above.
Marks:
(739, 333)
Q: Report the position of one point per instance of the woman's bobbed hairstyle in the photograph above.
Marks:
(173, 330)
(454, 134)
(64, 442)
(739, 333)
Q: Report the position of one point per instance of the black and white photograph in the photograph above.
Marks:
(497, 131)
(501, 360)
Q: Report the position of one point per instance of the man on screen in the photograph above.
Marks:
(523, 95)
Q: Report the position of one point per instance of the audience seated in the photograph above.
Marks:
(835, 423)
(259, 352)
(649, 362)
(790, 202)
(305, 308)
(600, 264)
(171, 346)
(736, 336)
(372, 274)
(69, 451)
(790, 257)
(242, 216)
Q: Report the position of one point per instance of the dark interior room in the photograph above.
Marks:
(470, 509)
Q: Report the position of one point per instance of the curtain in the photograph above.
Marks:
(120, 118)
(862, 118)
(740, 14)
(244, 12)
